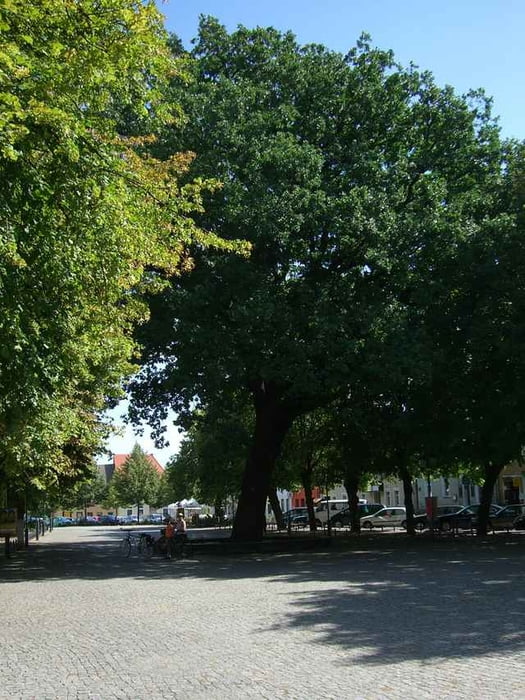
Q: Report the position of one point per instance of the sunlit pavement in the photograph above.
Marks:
(387, 618)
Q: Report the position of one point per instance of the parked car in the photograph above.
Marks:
(61, 521)
(464, 518)
(519, 522)
(108, 520)
(505, 519)
(326, 509)
(155, 518)
(387, 517)
(343, 518)
(33, 519)
(203, 520)
(421, 521)
(296, 517)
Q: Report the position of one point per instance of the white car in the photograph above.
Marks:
(388, 517)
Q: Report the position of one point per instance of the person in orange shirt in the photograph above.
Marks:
(169, 534)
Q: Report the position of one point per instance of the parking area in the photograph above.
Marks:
(385, 618)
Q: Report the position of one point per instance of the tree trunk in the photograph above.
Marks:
(351, 483)
(306, 478)
(491, 473)
(409, 504)
(20, 505)
(272, 422)
(219, 511)
(276, 507)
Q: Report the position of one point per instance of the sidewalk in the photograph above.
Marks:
(390, 621)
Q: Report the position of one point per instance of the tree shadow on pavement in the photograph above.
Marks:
(379, 601)
(418, 605)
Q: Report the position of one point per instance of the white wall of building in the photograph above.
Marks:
(449, 491)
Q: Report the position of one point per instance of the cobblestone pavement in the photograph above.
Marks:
(386, 619)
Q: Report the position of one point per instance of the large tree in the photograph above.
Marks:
(477, 393)
(84, 213)
(348, 175)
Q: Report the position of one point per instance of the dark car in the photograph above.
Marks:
(297, 517)
(505, 519)
(344, 519)
(519, 522)
(421, 521)
(108, 520)
(464, 519)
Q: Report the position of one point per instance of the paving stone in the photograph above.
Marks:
(385, 619)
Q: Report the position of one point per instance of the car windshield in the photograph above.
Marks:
(512, 510)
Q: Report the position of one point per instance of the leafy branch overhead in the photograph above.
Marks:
(88, 218)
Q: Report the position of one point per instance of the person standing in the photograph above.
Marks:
(180, 534)
(169, 534)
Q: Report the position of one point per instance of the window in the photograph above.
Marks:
(396, 497)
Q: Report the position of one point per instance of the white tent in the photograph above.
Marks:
(189, 503)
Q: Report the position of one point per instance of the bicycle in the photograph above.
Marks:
(141, 542)
(148, 546)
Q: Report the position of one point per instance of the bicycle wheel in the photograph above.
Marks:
(125, 548)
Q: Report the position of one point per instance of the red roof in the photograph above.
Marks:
(118, 461)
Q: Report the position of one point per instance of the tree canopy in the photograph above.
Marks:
(86, 217)
(136, 482)
(354, 180)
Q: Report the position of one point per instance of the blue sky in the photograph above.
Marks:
(465, 43)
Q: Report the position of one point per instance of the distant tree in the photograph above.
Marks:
(182, 472)
(137, 481)
(210, 460)
(357, 447)
(307, 458)
(82, 494)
